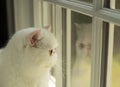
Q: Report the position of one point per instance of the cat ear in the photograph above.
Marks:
(78, 26)
(33, 37)
(48, 27)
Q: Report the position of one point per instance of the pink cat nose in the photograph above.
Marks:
(88, 46)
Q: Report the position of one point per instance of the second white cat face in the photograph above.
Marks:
(83, 42)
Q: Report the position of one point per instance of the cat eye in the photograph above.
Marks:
(81, 45)
(87, 46)
(52, 51)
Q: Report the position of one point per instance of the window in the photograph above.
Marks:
(116, 58)
(114, 55)
(88, 35)
(113, 4)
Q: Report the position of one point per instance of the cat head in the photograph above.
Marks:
(34, 47)
(84, 37)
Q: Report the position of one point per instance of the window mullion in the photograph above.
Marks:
(96, 52)
(98, 4)
(58, 32)
(84, 8)
(97, 46)
(54, 18)
(23, 12)
(109, 15)
(37, 6)
(46, 14)
(110, 54)
(68, 47)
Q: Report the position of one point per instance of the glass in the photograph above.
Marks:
(90, 1)
(81, 35)
(116, 58)
(112, 4)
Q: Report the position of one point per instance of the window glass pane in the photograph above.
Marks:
(81, 34)
(116, 58)
(85, 0)
(113, 4)
(117, 5)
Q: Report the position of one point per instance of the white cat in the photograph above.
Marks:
(27, 59)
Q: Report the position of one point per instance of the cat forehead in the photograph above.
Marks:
(28, 31)
(50, 40)
(47, 37)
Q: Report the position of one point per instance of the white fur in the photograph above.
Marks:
(25, 66)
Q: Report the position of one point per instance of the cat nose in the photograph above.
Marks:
(88, 47)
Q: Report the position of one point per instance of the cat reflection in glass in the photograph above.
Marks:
(82, 58)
